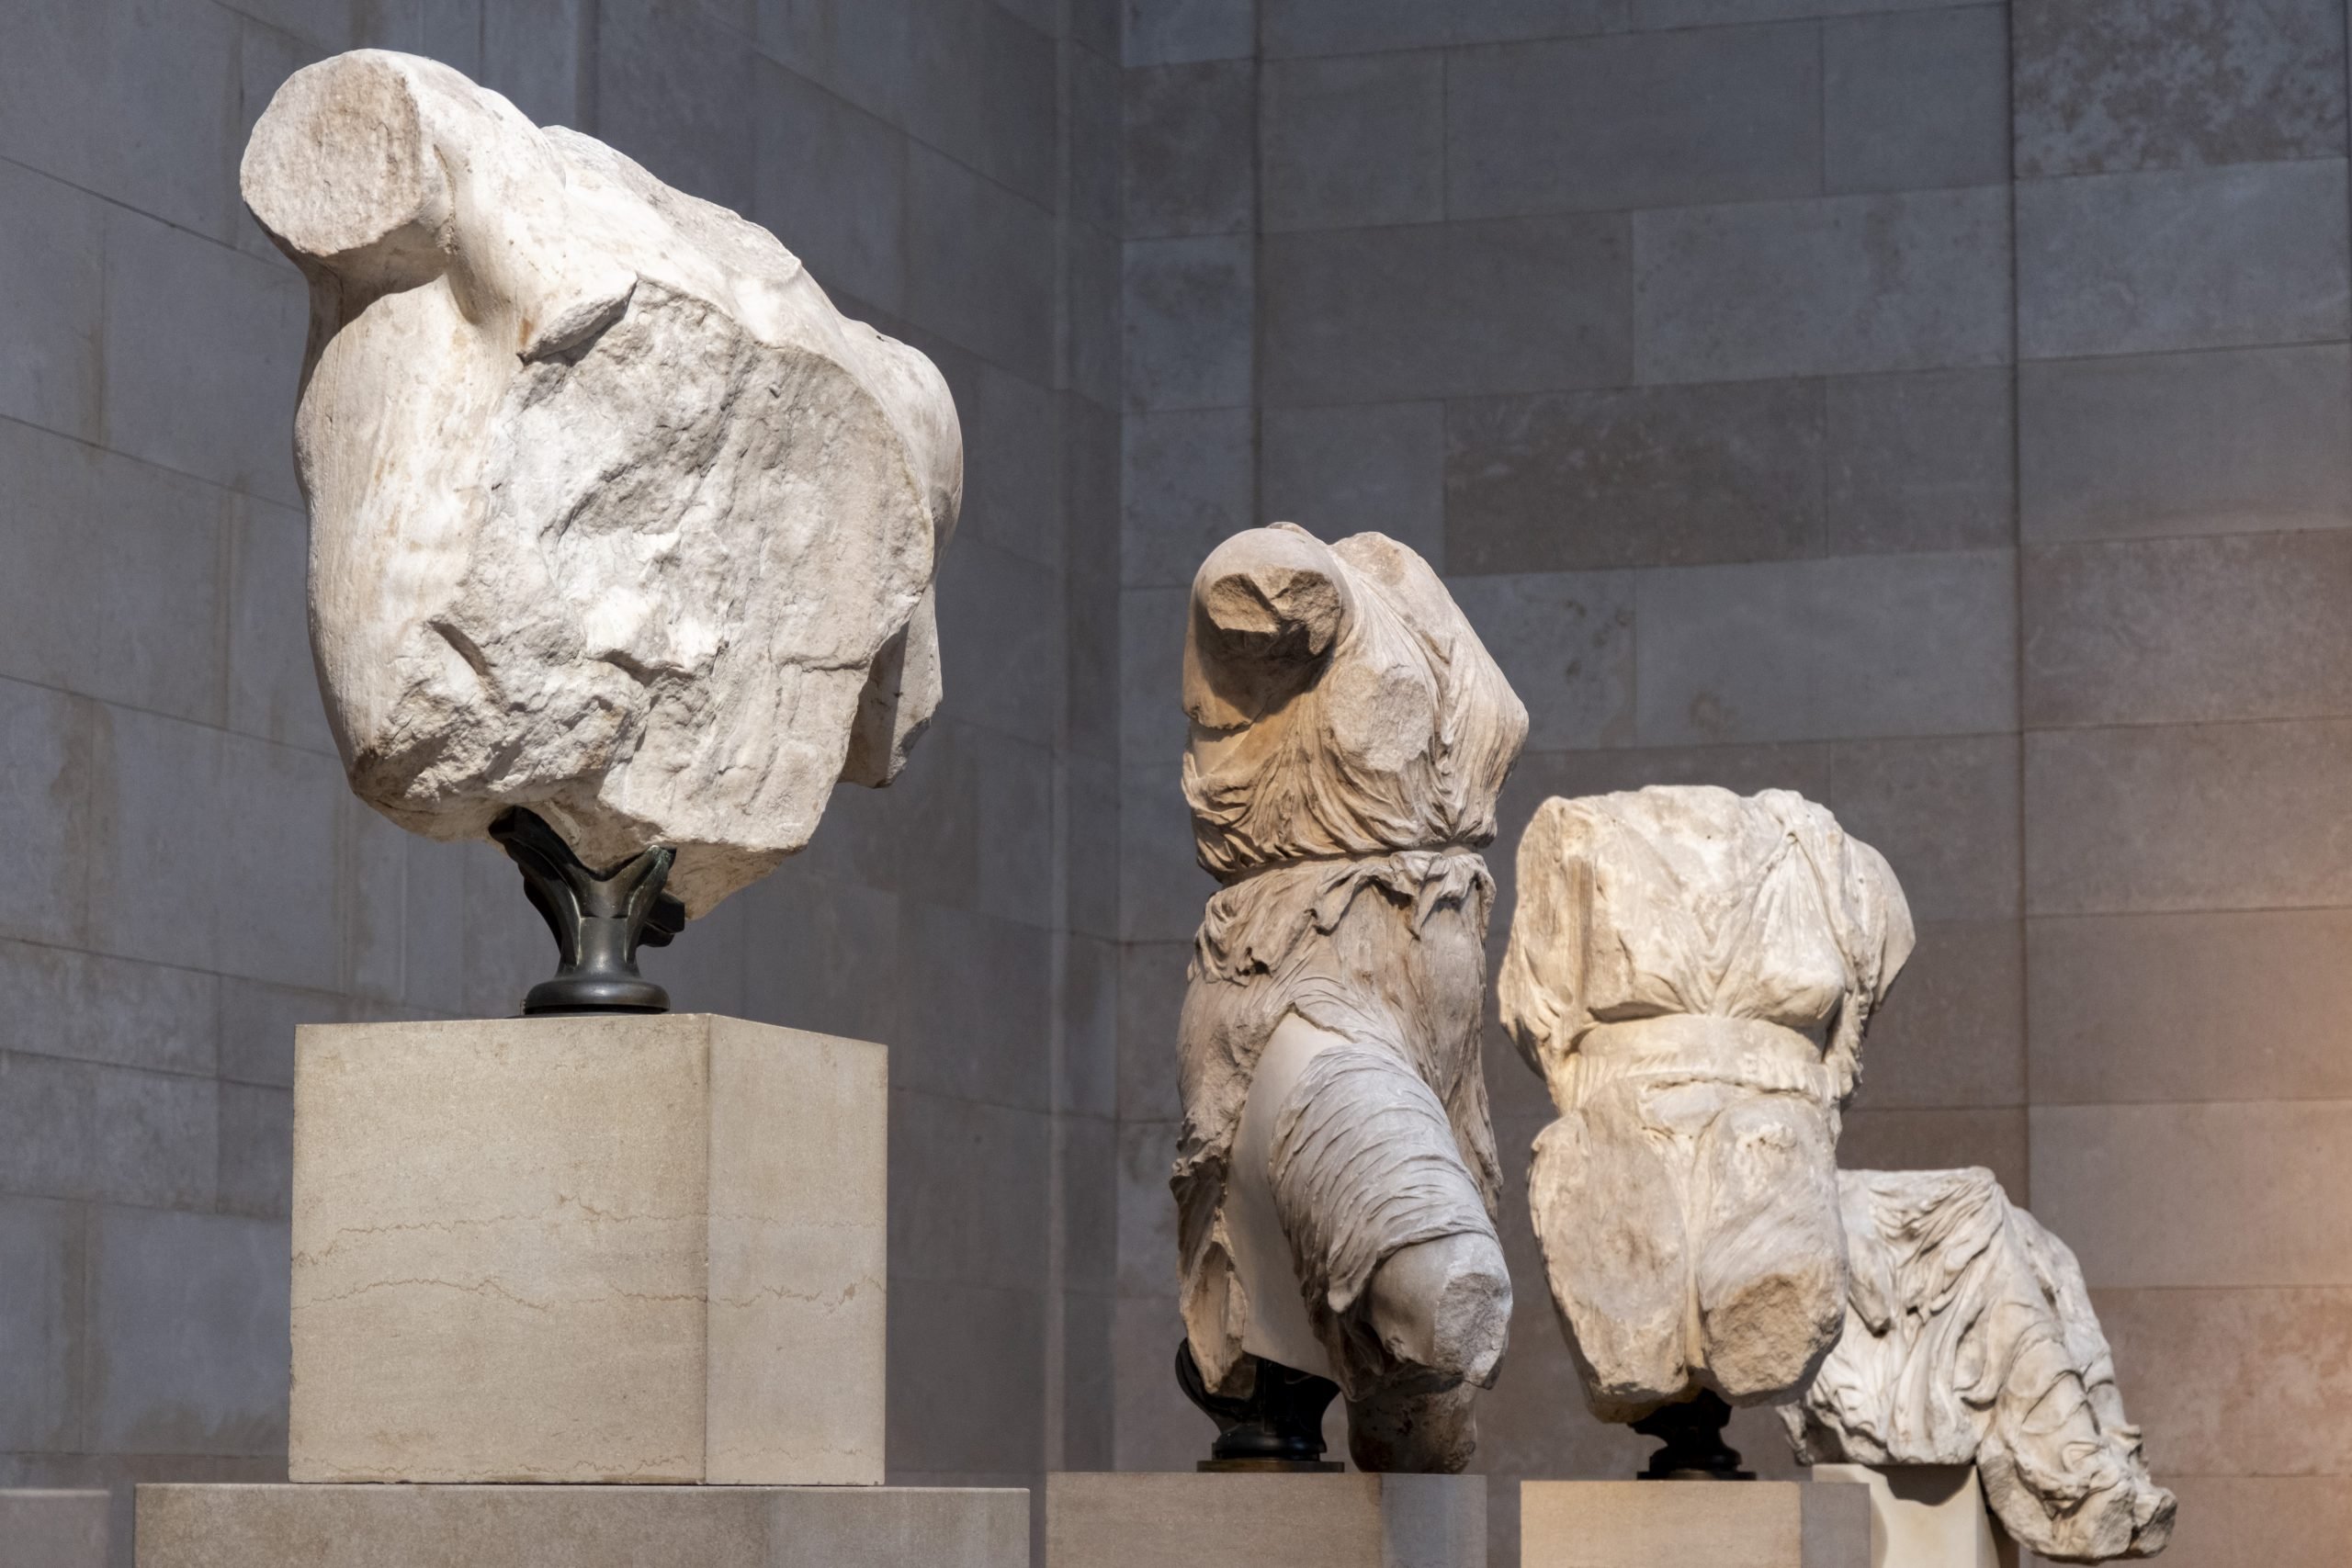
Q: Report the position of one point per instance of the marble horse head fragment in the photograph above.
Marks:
(1692, 973)
(1336, 1179)
(614, 518)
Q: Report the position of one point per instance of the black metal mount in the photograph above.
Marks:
(1693, 1432)
(599, 919)
(1278, 1425)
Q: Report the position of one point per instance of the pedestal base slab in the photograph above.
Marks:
(1694, 1524)
(1176, 1520)
(582, 1527)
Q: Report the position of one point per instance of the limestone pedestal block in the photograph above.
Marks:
(1244, 1520)
(627, 1248)
(52, 1529)
(582, 1527)
(1694, 1524)
(1927, 1515)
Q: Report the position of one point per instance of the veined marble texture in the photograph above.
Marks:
(1970, 1339)
(1692, 973)
(1349, 737)
(613, 515)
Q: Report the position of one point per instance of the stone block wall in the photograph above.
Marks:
(1941, 410)
(193, 878)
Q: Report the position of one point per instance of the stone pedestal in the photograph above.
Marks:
(1241, 1520)
(582, 1527)
(627, 1248)
(52, 1529)
(1694, 1524)
(1927, 1515)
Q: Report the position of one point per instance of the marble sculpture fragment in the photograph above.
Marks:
(613, 516)
(1969, 1339)
(1335, 1178)
(1691, 971)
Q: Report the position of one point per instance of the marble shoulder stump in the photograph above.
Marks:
(625, 1249)
(42, 1529)
(582, 1527)
(1694, 1524)
(1244, 1520)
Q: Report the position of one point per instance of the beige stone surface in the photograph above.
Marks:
(1926, 1515)
(582, 1527)
(613, 515)
(643, 1249)
(1193, 1520)
(1694, 1524)
(52, 1529)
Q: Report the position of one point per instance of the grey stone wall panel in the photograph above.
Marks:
(1663, 119)
(816, 153)
(77, 514)
(1357, 467)
(1922, 461)
(52, 257)
(1387, 315)
(1189, 321)
(1189, 485)
(1841, 648)
(2180, 631)
(2152, 818)
(2105, 86)
(1837, 285)
(2223, 441)
(2203, 258)
(1911, 100)
(1666, 476)
(2192, 1006)
(1191, 149)
(1353, 141)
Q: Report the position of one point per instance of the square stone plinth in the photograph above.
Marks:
(1694, 1524)
(1927, 1515)
(1177, 1520)
(582, 1527)
(52, 1529)
(628, 1249)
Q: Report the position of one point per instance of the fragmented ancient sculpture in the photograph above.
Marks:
(1692, 972)
(1969, 1339)
(1337, 1181)
(614, 518)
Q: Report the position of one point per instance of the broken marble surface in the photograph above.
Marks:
(1970, 1339)
(1692, 973)
(613, 515)
(1349, 737)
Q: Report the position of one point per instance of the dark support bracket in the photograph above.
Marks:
(1277, 1426)
(599, 919)
(1693, 1432)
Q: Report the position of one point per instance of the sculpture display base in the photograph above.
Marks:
(621, 1248)
(580, 1526)
(1239, 1520)
(1694, 1524)
(1927, 1515)
(52, 1529)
